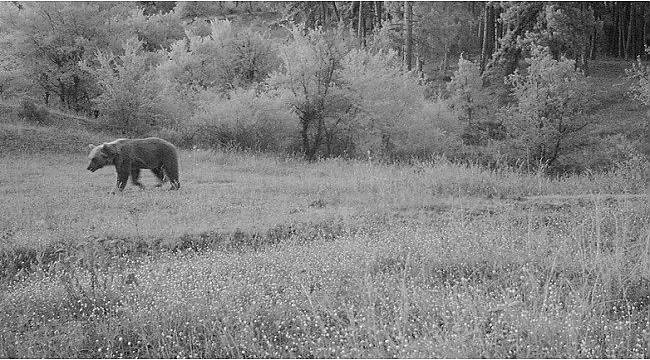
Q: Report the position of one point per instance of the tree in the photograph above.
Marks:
(158, 30)
(384, 99)
(310, 75)
(408, 34)
(51, 38)
(552, 97)
(130, 91)
(442, 30)
(565, 28)
(13, 79)
(222, 60)
(488, 35)
(465, 89)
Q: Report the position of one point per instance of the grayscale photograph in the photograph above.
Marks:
(324, 179)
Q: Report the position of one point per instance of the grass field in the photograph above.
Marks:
(260, 256)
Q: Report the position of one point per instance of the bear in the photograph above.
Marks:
(130, 155)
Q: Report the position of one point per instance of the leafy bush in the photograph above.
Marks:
(465, 88)
(640, 88)
(640, 91)
(222, 60)
(181, 136)
(157, 31)
(310, 76)
(33, 113)
(131, 92)
(549, 115)
(433, 131)
(474, 105)
(384, 100)
(246, 120)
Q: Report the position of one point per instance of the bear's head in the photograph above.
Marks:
(101, 156)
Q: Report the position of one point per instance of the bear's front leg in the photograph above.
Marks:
(122, 179)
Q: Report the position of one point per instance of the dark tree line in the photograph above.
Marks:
(592, 29)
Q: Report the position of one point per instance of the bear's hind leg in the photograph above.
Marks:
(160, 175)
(135, 175)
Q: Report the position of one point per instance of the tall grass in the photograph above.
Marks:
(486, 286)
(260, 256)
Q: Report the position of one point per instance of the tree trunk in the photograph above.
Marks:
(336, 12)
(629, 49)
(592, 45)
(443, 64)
(408, 34)
(377, 14)
(323, 12)
(479, 34)
(639, 24)
(621, 19)
(488, 36)
(360, 21)
(645, 32)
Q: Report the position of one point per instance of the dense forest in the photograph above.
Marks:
(524, 84)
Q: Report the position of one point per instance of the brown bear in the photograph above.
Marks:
(130, 155)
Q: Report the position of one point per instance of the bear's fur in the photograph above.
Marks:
(130, 155)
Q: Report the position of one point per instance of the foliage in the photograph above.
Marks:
(246, 120)
(130, 100)
(310, 75)
(51, 38)
(552, 97)
(225, 59)
(564, 28)
(384, 100)
(157, 31)
(465, 89)
(13, 79)
(474, 106)
(444, 30)
(189, 10)
(33, 113)
(640, 75)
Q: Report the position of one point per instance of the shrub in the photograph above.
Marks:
(182, 137)
(548, 117)
(464, 89)
(131, 92)
(223, 60)
(247, 120)
(310, 78)
(156, 31)
(433, 131)
(640, 88)
(384, 101)
(473, 105)
(33, 113)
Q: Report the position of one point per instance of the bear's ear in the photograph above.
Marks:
(91, 146)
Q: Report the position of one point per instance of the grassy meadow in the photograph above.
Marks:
(263, 256)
